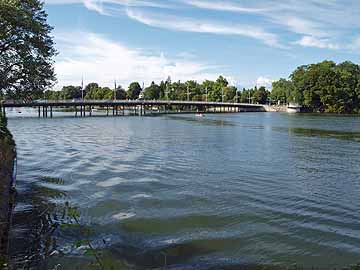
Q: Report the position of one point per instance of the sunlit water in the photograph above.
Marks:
(183, 192)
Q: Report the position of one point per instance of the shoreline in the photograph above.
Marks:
(7, 188)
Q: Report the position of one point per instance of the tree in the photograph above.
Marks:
(134, 90)
(26, 49)
(261, 95)
(90, 86)
(71, 92)
(152, 92)
(283, 91)
(230, 93)
(120, 93)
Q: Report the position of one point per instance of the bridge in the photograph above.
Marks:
(138, 107)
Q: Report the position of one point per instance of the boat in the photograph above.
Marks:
(293, 108)
(200, 115)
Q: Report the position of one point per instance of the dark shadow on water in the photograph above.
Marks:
(35, 221)
(311, 132)
(202, 120)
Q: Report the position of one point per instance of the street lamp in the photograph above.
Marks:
(82, 88)
(114, 89)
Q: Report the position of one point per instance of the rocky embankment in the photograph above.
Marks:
(7, 182)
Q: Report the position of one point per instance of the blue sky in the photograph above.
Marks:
(250, 42)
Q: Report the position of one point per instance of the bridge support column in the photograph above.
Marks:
(75, 107)
(51, 112)
(39, 112)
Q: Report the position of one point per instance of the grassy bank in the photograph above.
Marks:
(7, 157)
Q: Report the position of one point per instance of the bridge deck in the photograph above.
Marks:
(57, 103)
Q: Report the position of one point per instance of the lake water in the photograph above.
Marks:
(181, 192)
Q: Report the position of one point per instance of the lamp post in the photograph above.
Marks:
(82, 88)
(114, 89)
(206, 94)
(167, 92)
(188, 93)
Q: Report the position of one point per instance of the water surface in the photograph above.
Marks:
(182, 192)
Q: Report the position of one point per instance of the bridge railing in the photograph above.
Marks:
(130, 102)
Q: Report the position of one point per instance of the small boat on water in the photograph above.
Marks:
(200, 115)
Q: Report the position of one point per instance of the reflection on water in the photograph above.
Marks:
(241, 191)
(203, 121)
(338, 134)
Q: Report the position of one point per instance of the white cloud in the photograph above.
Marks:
(192, 25)
(310, 41)
(95, 5)
(264, 81)
(302, 26)
(322, 20)
(101, 60)
(100, 5)
(224, 6)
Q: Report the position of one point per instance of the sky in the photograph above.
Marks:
(250, 42)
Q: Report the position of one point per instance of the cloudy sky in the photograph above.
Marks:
(251, 42)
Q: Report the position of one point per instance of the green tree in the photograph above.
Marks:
(71, 92)
(261, 95)
(134, 90)
(283, 92)
(230, 93)
(26, 49)
(152, 92)
(120, 93)
(90, 86)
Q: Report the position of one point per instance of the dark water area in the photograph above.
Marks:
(227, 191)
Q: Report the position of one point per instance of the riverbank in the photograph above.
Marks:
(7, 182)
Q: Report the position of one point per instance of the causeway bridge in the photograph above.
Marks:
(84, 108)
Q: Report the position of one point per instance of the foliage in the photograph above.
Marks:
(26, 49)
(5, 134)
(325, 86)
(218, 91)
(134, 90)
(152, 92)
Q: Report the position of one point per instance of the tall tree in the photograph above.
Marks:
(134, 90)
(152, 92)
(26, 49)
(120, 93)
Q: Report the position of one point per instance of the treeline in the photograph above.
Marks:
(324, 87)
(218, 90)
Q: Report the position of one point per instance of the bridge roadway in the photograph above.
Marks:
(140, 107)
